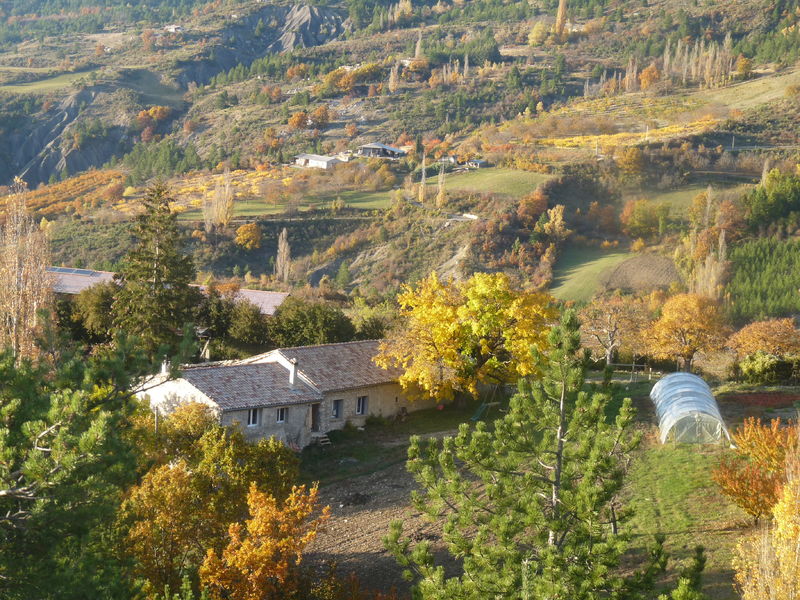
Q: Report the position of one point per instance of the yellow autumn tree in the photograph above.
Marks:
(262, 556)
(649, 76)
(768, 563)
(196, 488)
(248, 236)
(774, 336)
(168, 524)
(456, 336)
(689, 323)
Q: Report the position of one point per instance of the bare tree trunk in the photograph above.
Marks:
(25, 284)
(555, 496)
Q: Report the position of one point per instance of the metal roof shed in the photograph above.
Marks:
(687, 411)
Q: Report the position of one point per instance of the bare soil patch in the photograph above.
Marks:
(642, 273)
(362, 509)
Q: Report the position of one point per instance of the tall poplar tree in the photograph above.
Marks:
(155, 300)
(528, 504)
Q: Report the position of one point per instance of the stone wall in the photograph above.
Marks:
(294, 431)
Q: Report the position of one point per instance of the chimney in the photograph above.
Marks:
(292, 371)
(165, 367)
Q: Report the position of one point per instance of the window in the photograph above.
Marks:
(336, 410)
(253, 417)
(361, 405)
(281, 415)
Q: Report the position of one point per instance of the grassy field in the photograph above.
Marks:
(680, 200)
(579, 270)
(670, 491)
(44, 86)
(501, 181)
(494, 180)
(751, 93)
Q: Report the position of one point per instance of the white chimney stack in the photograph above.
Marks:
(292, 371)
(165, 367)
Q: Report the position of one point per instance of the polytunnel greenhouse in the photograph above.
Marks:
(687, 411)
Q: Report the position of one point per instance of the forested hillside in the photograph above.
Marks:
(567, 198)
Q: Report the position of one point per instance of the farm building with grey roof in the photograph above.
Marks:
(294, 394)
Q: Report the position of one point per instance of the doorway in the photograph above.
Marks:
(315, 416)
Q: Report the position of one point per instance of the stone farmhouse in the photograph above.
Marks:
(296, 395)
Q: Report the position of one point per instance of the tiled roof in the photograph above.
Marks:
(236, 387)
(73, 281)
(336, 367)
(267, 302)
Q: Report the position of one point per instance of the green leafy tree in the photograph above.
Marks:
(155, 299)
(93, 310)
(299, 323)
(528, 505)
(248, 325)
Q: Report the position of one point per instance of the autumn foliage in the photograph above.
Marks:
(261, 559)
(689, 323)
(459, 335)
(775, 336)
(768, 563)
(753, 476)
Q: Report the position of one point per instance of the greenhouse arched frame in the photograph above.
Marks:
(687, 411)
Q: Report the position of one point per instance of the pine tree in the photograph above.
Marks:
(155, 300)
(529, 504)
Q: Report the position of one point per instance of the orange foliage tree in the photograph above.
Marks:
(689, 323)
(298, 120)
(774, 336)
(753, 476)
(262, 557)
(196, 488)
(532, 206)
(768, 563)
(649, 76)
(320, 117)
(168, 524)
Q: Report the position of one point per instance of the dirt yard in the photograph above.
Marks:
(362, 509)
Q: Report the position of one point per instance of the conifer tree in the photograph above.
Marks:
(155, 300)
(528, 505)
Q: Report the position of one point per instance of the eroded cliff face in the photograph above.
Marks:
(283, 28)
(43, 144)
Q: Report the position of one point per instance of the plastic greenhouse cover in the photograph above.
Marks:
(686, 408)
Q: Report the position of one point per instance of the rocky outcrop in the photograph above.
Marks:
(39, 150)
(282, 28)
(305, 26)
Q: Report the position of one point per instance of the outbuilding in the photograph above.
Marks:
(377, 150)
(316, 161)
